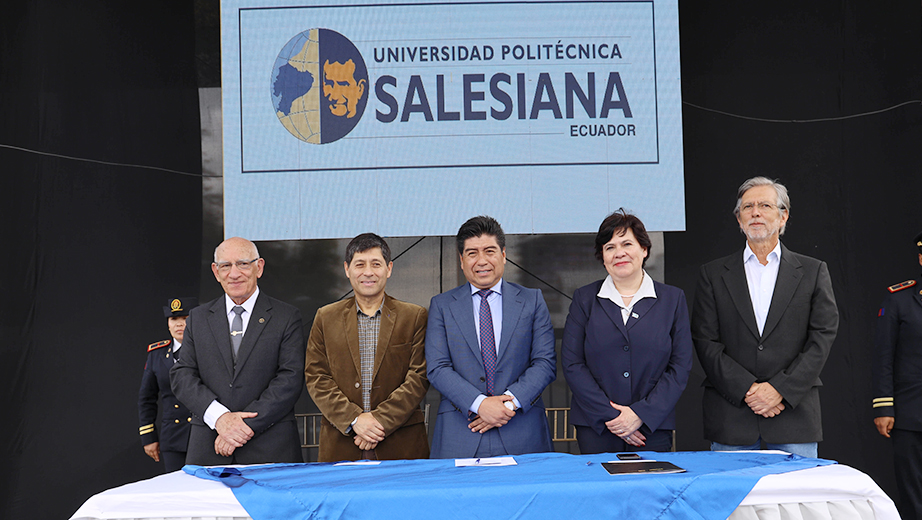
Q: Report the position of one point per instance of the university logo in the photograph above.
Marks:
(319, 86)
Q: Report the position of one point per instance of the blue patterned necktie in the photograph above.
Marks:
(487, 341)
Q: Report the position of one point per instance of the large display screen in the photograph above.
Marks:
(407, 118)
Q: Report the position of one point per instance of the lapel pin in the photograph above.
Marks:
(635, 315)
(262, 320)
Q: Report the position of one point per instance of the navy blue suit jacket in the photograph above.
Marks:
(898, 359)
(643, 364)
(173, 432)
(526, 364)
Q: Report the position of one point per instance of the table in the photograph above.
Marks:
(826, 492)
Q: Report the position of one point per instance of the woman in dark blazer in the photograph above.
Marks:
(627, 348)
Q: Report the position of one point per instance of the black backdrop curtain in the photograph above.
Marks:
(91, 251)
(855, 184)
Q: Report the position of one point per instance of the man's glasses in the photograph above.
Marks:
(763, 206)
(242, 265)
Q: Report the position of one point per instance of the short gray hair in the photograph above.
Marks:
(783, 201)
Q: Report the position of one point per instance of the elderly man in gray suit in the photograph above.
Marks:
(242, 368)
(763, 324)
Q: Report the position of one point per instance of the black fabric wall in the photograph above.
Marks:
(91, 252)
(855, 184)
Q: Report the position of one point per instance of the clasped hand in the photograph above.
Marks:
(764, 400)
(233, 432)
(626, 426)
(492, 414)
(368, 431)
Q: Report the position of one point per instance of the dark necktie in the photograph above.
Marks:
(237, 330)
(487, 340)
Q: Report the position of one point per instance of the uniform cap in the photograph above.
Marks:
(179, 307)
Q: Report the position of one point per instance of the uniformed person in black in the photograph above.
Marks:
(172, 439)
(898, 386)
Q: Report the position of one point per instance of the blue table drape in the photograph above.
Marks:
(544, 485)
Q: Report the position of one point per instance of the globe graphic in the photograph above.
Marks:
(297, 87)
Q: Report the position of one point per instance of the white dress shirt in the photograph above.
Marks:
(176, 347)
(761, 280)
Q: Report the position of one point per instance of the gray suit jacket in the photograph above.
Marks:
(268, 378)
(789, 354)
(526, 364)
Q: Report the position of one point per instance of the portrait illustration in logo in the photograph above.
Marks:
(319, 86)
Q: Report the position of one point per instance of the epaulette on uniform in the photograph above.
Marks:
(900, 286)
(159, 344)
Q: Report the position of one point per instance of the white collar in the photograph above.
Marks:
(747, 253)
(610, 292)
(247, 305)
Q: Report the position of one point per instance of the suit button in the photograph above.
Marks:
(175, 406)
(627, 374)
(627, 347)
(761, 347)
(189, 419)
(482, 379)
(176, 421)
(357, 385)
(230, 385)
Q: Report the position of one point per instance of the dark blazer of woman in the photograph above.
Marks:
(643, 364)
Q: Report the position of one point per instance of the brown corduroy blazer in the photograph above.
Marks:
(333, 377)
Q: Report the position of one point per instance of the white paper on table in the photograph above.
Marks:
(488, 461)
(359, 463)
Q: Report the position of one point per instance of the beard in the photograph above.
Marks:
(759, 233)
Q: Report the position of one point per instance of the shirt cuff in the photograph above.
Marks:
(349, 429)
(514, 400)
(476, 405)
(214, 410)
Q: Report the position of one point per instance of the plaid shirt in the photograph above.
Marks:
(369, 327)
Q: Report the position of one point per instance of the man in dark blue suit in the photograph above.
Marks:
(490, 352)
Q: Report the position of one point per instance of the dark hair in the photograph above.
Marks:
(479, 226)
(367, 241)
(619, 222)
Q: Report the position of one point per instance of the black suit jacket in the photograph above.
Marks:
(789, 354)
(268, 378)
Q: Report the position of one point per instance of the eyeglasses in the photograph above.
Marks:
(242, 265)
(763, 206)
